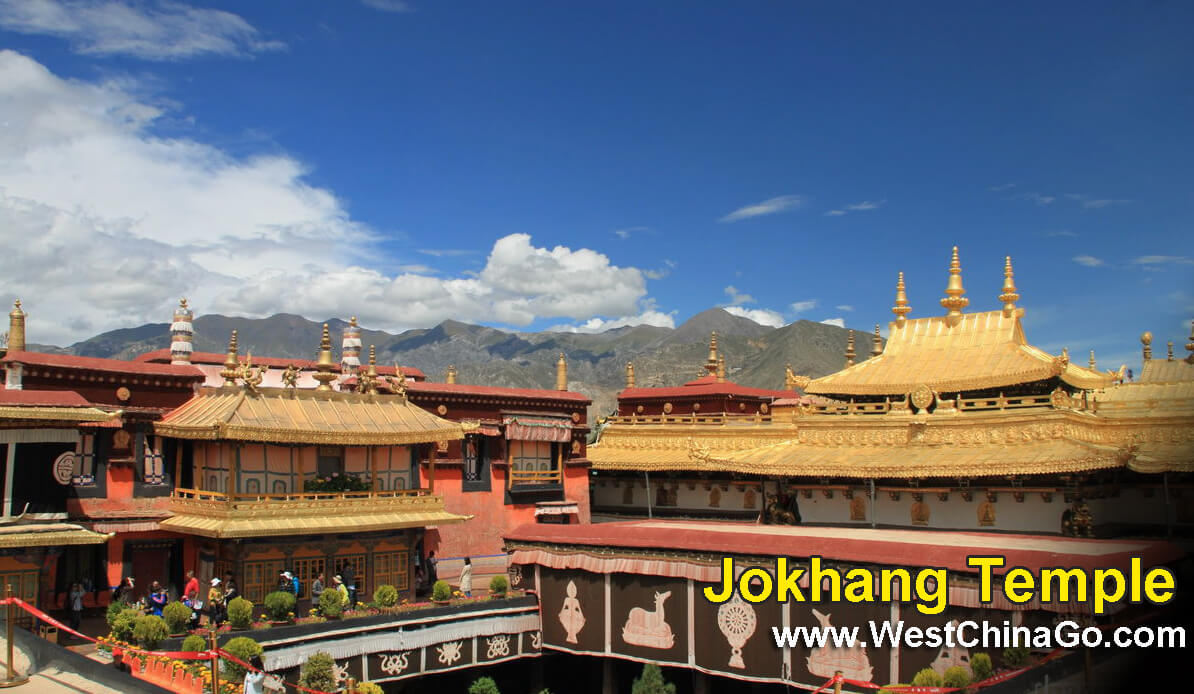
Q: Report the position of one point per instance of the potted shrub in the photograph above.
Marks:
(385, 596)
(122, 625)
(149, 630)
(498, 586)
(194, 644)
(318, 672)
(441, 592)
(178, 618)
(368, 688)
(240, 613)
(927, 677)
(279, 605)
(980, 665)
(956, 677)
(244, 648)
(331, 604)
(1016, 656)
(483, 685)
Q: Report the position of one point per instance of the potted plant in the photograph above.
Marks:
(240, 613)
(498, 587)
(385, 596)
(331, 604)
(441, 592)
(178, 618)
(279, 605)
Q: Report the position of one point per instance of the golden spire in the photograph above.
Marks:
(1093, 363)
(876, 343)
(372, 361)
(1169, 357)
(1146, 339)
(901, 308)
(561, 373)
(629, 374)
(789, 377)
(850, 349)
(955, 299)
(1190, 345)
(367, 379)
(231, 365)
(324, 366)
(711, 362)
(16, 328)
(1009, 297)
(450, 374)
(721, 369)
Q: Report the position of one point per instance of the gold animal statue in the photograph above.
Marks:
(775, 514)
(249, 376)
(290, 377)
(397, 382)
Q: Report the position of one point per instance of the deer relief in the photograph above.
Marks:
(649, 629)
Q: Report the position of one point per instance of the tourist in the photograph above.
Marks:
(255, 676)
(350, 582)
(190, 593)
(287, 583)
(229, 585)
(432, 569)
(157, 599)
(215, 603)
(339, 585)
(76, 605)
(466, 578)
(125, 591)
(316, 590)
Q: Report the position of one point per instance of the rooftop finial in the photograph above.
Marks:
(1146, 339)
(450, 374)
(711, 362)
(182, 334)
(850, 349)
(324, 365)
(901, 308)
(1190, 345)
(1093, 363)
(955, 299)
(16, 328)
(876, 343)
(1009, 297)
(231, 364)
(721, 369)
(561, 373)
(629, 374)
(1169, 356)
(367, 380)
(350, 348)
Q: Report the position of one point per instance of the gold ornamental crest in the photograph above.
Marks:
(921, 397)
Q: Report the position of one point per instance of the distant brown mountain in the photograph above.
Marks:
(755, 354)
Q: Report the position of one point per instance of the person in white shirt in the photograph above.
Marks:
(255, 678)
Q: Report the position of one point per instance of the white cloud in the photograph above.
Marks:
(599, 325)
(1089, 261)
(388, 5)
(844, 307)
(863, 206)
(1063, 232)
(802, 306)
(761, 316)
(153, 31)
(839, 322)
(628, 232)
(1162, 260)
(1038, 198)
(109, 223)
(737, 298)
(835, 213)
(771, 206)
(1001, 188)
(1092, 203)
(447, 252)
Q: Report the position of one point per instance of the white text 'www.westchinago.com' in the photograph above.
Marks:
(973, 634)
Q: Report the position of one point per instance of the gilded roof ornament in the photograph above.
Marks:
(876, 343)
(16, 328)
(250, 377)
(1190, 345)
(397, 382)
(711, 362)
(323, 368)
(1169, 356)
(290, 377)
(792, 381)
(1146, 339)
(1093, 363)
(231, 364)
(450, 374)
(850, 348)
(561, 373)
(629, 374)
(1009, 297)
(901, 308)
(367, 380)
(955, 299)
(721, 369)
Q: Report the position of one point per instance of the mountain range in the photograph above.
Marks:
(755, 354)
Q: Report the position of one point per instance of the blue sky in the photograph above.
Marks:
(543, 164)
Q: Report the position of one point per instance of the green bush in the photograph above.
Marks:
(956, 676)
(114, 609)
(240, 613)
(331, 604)
(149, 630)
(318, 672)
(122, 626)
(441, 590)
(483, 685)
(927, 677)
(244, 648)
(369, 688)
(278, 605)
(194, 644)
(385, 596)
(177, 616)
(498, 585)
(652, 682)
(1015, 656)
(980, 665)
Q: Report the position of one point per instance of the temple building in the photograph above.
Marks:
(957, 422)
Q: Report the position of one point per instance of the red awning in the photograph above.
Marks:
(488, 430)
(557, 429)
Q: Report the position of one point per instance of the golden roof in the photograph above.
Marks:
(1166, 371)
(216, 515)
(980, 351)
(274, 415)
(58, 414)
(48, 535)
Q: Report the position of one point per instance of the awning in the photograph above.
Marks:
(556, 508)
(556, 429)
(225, 528)
(58, 414)
(48, 535)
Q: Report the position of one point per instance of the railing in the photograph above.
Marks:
(694, 419)
(203, 495)
(534, 477)
(305, 504)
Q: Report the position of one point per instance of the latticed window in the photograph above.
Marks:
(533, 462)
(307, 570)
(391, 568)
(84, 472)
(261, 577)
(24, 586)
(358, 567)
(153, 465)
